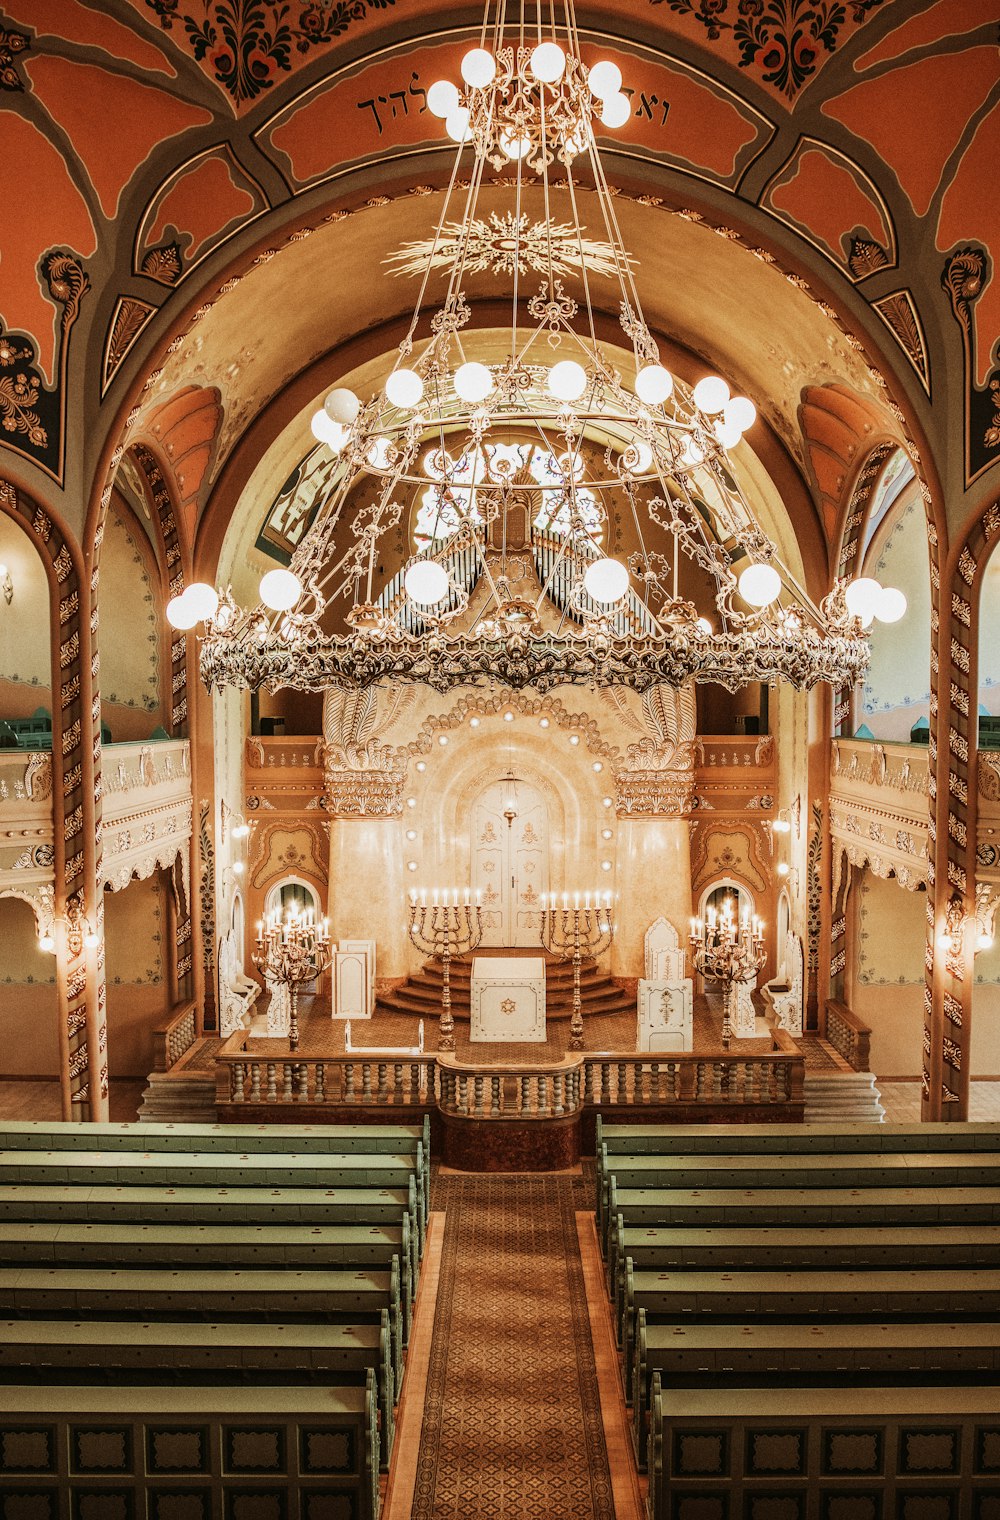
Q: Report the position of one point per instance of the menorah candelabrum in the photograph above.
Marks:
(572, 933)
(292, 951)
(442, 928)
(727, 951)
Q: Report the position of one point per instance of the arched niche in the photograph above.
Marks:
(25, 640)
(289, 893)
(29, 1009)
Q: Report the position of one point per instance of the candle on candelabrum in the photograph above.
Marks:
(450, 924)
(729, 951)
(571, 932)
(292, 950)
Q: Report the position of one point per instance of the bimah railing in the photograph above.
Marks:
(532, 1090)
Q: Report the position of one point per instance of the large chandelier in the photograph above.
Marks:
(506, 471)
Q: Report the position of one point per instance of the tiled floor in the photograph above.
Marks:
(901, 1101)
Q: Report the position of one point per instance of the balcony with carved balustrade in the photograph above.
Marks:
(880, 805)
(146, 807)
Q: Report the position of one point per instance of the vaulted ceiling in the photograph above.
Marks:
(196, 196)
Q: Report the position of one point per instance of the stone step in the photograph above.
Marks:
(842, 1097)
(180, 1097)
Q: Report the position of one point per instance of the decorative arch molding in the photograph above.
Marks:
(76, 766)
(738, 887)
(40, 899)
(484, 704)
(706, 866)
(161, 499)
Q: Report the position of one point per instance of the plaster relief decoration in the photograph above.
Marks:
(361, 774)
(147, 812)
(739, 850)
(297, 849)
(657, 776)
(879, 808)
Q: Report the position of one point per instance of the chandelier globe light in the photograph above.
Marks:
(546, 487)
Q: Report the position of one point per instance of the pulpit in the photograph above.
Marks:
(508, 999)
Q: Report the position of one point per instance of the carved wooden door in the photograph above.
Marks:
(510, 862)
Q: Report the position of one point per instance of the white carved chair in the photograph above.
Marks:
(235, 1000)
(784, 991)
(664, 957)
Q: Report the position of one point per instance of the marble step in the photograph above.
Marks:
(842, 1097)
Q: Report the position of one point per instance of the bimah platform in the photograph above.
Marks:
(508, 999)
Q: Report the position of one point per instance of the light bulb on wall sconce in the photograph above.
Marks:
(6, 585)
(47, 942)
(984, 940)
(951, 938)
(79, 933)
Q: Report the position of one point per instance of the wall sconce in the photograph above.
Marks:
(787, 875)
(240, 826)
(80, 933)
(952, 936)
(6, 585)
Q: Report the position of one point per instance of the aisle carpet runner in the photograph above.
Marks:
(512, 1424)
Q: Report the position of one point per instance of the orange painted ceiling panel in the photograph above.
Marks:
(971, 213)
(201, 203)
(383, 107)
(949, 18)
(72, 22)
(31, 224)
(115, 123)
(822, 195)
(915, 116)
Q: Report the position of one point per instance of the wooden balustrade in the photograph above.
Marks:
(616, 1079)
(533, 1092)
(546, 1090)
(849, 1035)
(376, 1078)
(175, 1037)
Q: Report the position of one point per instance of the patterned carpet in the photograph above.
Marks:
(516, 1435)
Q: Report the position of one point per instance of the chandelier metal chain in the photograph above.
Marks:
(513, 462)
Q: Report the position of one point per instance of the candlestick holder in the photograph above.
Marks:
(572, 933)
(441, 930)
(292, 952)
(728, 952)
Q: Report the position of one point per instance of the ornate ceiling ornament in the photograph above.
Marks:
(517, 472)
(506, 244)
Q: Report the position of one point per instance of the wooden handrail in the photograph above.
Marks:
(172, 1039)
(849, 1035)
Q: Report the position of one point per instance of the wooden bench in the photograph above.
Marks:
(227, 1450)
(801, 1208)
(717, 1297)
(51, 1350)
(820, 1248)
(773, 1356)
(898, 1453)
(791, 1139)
(288, 1297)
(166, 1169)
(812, 1170)
(227, 1139)
(234, 1205)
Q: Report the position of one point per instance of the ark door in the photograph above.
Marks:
(510, 861)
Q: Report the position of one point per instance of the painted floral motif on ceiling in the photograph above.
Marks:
(247, 45)
(11, 45)
(784, 41)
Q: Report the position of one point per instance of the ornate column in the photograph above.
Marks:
(654, 793)
(367, 896)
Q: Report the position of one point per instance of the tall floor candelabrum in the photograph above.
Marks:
(292, 951)
(728, 951)
(573, 932)
(441, 929)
